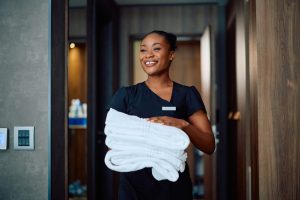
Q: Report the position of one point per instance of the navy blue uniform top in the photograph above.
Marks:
(140, 101)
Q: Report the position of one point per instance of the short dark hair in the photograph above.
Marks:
(170, 38)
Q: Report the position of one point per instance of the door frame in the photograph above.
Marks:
(58, 154)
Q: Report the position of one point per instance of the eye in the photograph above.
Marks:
(157, 49)
(143, 50)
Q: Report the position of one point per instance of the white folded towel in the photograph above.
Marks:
(127, 161)
(136, 143)
(138, 129)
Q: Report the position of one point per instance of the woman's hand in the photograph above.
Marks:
(169, 121)
(198, 129)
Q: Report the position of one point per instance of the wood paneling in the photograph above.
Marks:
(77, 156)
(237, 101)
(254, 193)
(185, 68)
(278, 76)
(267, 92)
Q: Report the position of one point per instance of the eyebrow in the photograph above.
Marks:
(156, 43)
(152, 44)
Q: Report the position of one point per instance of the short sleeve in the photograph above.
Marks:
(119, 101)
(194, 101)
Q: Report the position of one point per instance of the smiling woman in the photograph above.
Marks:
(161, 100)
(157, 52)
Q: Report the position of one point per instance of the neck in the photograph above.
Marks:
(161, 81)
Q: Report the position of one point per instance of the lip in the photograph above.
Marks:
(150, 63)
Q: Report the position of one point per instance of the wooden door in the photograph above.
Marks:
(232, 128)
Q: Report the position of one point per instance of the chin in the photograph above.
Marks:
(148, 71)
(154, 73)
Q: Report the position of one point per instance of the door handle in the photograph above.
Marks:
(235, 116)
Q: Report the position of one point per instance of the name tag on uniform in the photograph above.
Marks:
(168, 108)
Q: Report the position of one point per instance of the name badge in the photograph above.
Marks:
(168, 108)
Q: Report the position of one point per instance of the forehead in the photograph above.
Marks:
(154, 38)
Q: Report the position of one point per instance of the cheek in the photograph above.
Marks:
(141, 58)
(166, 58)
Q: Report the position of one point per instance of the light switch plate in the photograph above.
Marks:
(24, 137)
(3, 138)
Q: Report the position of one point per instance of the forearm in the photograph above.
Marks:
(204, 141)
(198, 129)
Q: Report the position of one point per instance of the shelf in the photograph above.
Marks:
(77, 127)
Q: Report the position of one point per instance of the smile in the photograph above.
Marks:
(150, 62)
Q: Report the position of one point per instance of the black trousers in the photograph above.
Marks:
(141, 185)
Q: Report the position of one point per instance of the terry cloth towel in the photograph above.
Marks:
(129, 127)
(136, 143)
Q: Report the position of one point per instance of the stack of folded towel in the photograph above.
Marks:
(136, 143)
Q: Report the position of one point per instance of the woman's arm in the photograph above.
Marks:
(198, 129)
(200, 132)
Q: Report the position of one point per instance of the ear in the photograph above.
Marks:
(172, 55)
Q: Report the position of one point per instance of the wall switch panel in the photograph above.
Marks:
(3, 138)
(24, 137)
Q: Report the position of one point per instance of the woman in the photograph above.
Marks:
(161, 100)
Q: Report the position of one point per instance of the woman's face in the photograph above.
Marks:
(155, 55)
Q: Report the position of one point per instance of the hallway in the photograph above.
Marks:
(242, 56)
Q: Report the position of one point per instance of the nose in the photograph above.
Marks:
(149, 54)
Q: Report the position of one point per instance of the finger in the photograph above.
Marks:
(152, 118)
(156, 119)
(159, 121)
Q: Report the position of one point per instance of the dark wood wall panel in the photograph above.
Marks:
(278, 75)
(253, 99)
(77, 156)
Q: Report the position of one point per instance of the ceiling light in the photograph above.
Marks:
(72, 45)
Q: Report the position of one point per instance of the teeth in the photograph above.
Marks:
(149, 62)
